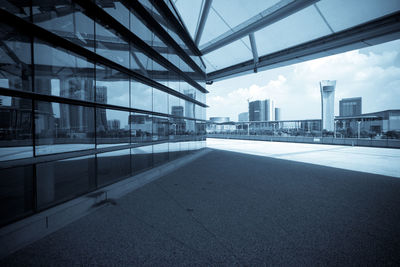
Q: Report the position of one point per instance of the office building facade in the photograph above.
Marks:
(262, 110)
(92, 92)
(278, 114)
(350, 107)
(327, 89)
(244, 116)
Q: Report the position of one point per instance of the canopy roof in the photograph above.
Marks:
(238, 36)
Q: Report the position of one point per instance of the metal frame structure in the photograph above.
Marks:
(377, 31)
(273, 14)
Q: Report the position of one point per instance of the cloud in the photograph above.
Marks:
(375, 76)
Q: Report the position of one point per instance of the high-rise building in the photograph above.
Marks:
(244, 116)
(262, 110)
(278, 114)
(350, 107)
(327, 104)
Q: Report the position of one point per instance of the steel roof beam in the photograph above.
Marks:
(254, 50)
(374, 32)
(271, 15)
(203, 19)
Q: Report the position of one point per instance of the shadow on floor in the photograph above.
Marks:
(229, 208)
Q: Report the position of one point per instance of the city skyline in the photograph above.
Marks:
(372, 73)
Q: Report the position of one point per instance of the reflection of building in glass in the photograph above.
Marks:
(101, 115)
(114, 124)
(262, 110)
(244, 116)
(178, 125)
(141, 125)
(327, 104)
(350, 106)
(15, 118)
(177, 111)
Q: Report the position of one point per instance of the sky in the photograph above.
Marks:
(372, 73)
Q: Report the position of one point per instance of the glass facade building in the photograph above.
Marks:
(91, 92)
(350, 106)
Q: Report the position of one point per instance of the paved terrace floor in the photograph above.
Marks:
(230, 208)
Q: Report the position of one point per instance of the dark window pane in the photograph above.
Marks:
(174, 149)
(64, 179)
(16, 193)
(15, 128)
(141, 96)
(19, 8)
(117, 10)
(175, 106)
(63, 127)
(62, 73)
(160, 101)
(141, 128)
(65, 19)
(112, 87)
(160, 128)
(142, 158)
(111, 46)
(15, 59)
(112, 127)
(113, 166)
(160, 153)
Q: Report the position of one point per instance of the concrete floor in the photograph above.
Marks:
(384, 161)
(230, 208)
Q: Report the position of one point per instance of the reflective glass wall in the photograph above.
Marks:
(90, 93)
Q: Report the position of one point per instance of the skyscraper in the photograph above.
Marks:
(244, 116)
(327, 104)
(350, 106)
(262, 110)
(277, 114)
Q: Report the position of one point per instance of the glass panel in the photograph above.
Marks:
(238, 51)
(111, 46)
(142, 158)
(15, 59)
(63, 127)
(175, 106)
(189, 109)
(174, 150)
(190, 129)
(200, 130)
(15, 128)
(16, 193)
(112, 127)
(160, 128)
(18, 8)
(141, 96)
(112, 86)
(117, 10)
(160, 153)
(62, 73)
(61, 180)
(190, 11)
(160, 101)
(113, 166)
(366, 10)
(213, 28)
(292, 28)
(141, 128)
(65, 19)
